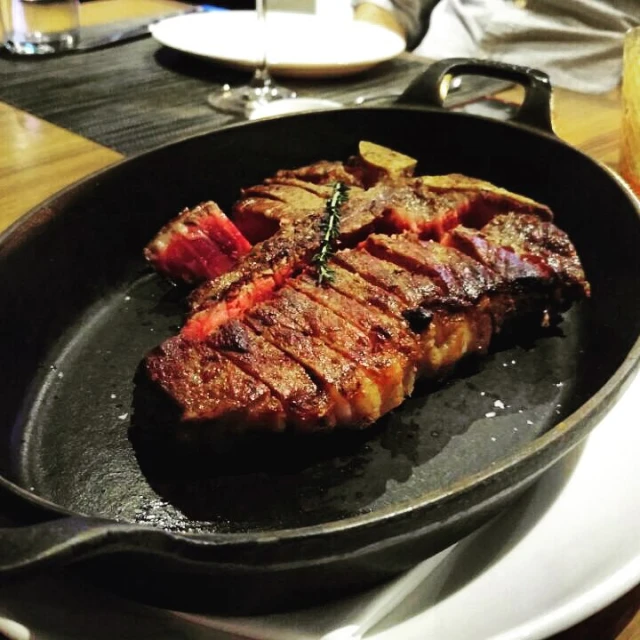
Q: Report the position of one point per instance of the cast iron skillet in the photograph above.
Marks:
(291, 521)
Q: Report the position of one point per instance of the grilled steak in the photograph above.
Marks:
(427, 270)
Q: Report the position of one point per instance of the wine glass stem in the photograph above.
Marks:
(261, 76)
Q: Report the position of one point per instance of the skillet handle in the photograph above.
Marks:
(535, 111)
(27, 549)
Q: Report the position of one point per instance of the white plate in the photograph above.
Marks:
(298, 45)
(570, 547)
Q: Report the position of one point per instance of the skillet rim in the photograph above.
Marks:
(594, 408)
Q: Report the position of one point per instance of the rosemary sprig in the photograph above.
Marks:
(330, 228)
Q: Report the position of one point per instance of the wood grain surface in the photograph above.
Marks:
(39, 158)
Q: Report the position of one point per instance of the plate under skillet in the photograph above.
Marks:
(78, 448)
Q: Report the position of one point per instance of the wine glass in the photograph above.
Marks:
(261, 89)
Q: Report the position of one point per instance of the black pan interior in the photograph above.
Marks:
(81, 309)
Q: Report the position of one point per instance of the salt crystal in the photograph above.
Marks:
(491, 414)
(123, 416)
(499, 404)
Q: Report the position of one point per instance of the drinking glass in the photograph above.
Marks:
(261, 89)
(630, 147)
(36, 27)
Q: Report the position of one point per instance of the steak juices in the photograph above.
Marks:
(426, 270)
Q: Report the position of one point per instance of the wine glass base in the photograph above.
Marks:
(243, 100)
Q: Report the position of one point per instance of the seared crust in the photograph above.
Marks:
(462, 279)
(208, 387)
(355, 396)
(387, 368)
(361, 304)
(414, 288)
(304, 402)
(543, 244)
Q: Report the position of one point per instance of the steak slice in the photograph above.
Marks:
(488, 199)
(353, 285)
(526, 252)
(199, 244)
(354, 395)
(414, 288)
(326, 172)
(306, 405)
(362, 305)
(207, 387)
(265, 208)
(267, 267)
(430, 304)
(463, 279)
(543, 244)
(295, 193)
(388, 336)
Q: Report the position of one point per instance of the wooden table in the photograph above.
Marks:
(39, 158)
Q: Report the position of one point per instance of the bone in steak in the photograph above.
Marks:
(427, 271)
